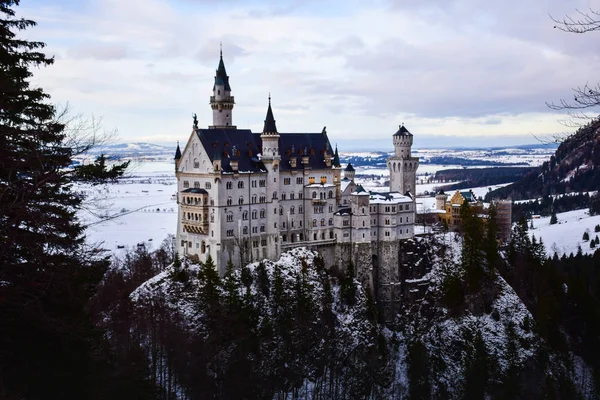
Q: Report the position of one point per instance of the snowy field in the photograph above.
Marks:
(565, 236)
(139, 209)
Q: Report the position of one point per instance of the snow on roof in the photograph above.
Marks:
(345, 183)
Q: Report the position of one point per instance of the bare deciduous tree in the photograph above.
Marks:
(585, 96)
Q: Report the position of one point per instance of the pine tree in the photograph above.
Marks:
(472, 249)
(47, 338)
(348, 287)
(491, 239)
(417, 360)
(476, 371)
(553, 218)
(586, 236)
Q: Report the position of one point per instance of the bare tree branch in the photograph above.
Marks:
(82, 133)
(583, 22)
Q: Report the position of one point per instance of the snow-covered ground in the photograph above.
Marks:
(565, 236)
(140, 208)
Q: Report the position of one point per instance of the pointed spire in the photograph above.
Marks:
(336, 158)
(270, 126)
(177, 152)
(221, 77)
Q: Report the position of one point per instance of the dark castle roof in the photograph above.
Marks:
(221, 77)
(178, 152)
(349, 168)
(402, 131)
(231, 143)
(299, 145)
(244, 146)
(195, 190)
(270, 126)
(336, 159)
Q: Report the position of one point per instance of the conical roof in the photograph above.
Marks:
(177, 152)
(349, 168)
(270, 126)
(402, 131)
(336, 158)
(221, 77)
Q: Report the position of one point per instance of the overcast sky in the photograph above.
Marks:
(455, 72)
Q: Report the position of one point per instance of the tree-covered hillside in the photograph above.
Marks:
(575, 167)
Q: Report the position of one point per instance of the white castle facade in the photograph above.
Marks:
(245, 196)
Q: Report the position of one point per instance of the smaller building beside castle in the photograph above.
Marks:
(448, 211)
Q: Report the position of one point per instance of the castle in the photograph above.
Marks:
(245, 196)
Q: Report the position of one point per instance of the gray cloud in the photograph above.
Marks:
(100, 51)
(466, 75)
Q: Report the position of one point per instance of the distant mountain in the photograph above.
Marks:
(135, 149)
(574, 167)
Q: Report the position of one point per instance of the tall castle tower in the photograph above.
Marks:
(403, 166)
(222, 101)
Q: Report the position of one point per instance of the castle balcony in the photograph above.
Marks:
(194, 197)
(319, 201)
(199, 227)
(226, 99)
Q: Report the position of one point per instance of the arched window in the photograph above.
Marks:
(330, 221)
(262, 213)
(292, 210)
(229, 201)
(240, 184)
(229, 185)
(314, 195)
(203, 247)
(241, 200)
(245, 230)
(322, 221)
(331, 194)
(245, 215)
(274, 195)
(314, 223)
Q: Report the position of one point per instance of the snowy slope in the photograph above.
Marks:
(565, 236)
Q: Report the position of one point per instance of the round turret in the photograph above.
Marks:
(403, 141)
(440, 200)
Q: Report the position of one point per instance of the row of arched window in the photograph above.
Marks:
(314, 222)
(407, 166)
(322, 195)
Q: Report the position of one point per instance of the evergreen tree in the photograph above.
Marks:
(348, 287)
(472, 249)
(417, 360)
(476, 369)
(592, 244)
(597, 228)
(553, 218)
(511, 385)
(586, 236)
(48, 342)
(491, 238)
